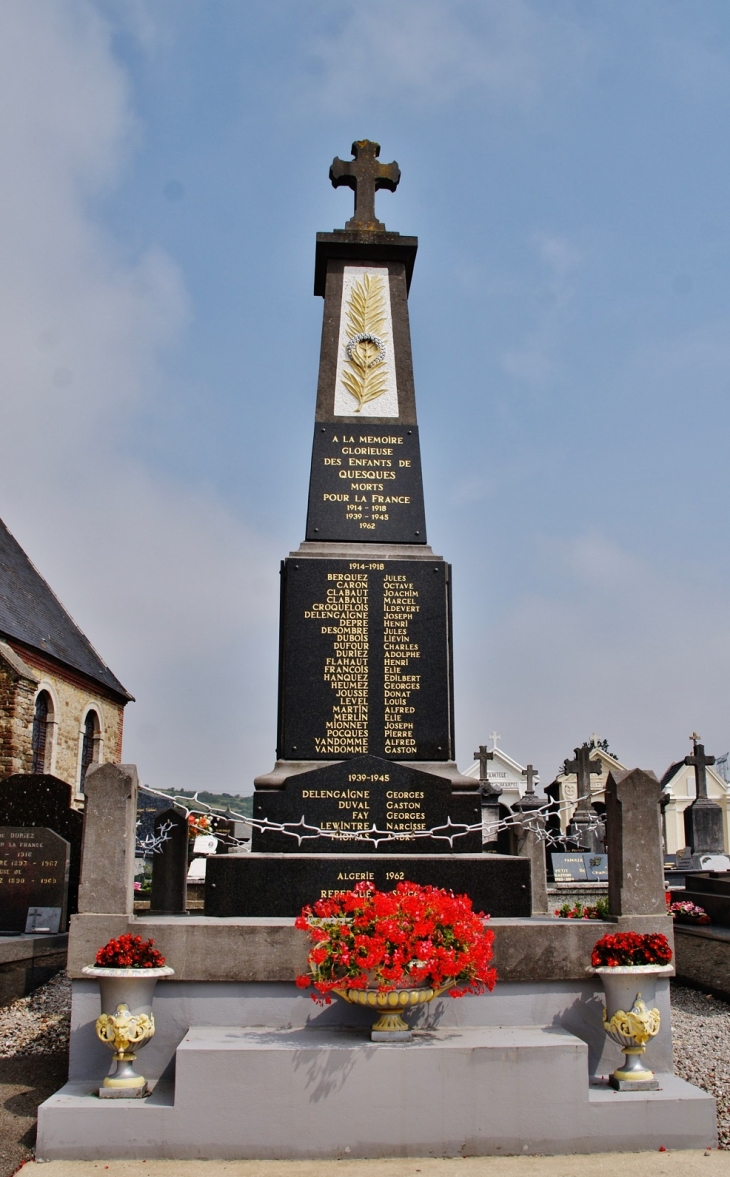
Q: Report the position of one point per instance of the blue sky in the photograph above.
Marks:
(567, 171)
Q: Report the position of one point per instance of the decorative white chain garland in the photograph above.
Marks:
(303, 831)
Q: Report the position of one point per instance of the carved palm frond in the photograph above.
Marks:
(366, 308)
(364, 377)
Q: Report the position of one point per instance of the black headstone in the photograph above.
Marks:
(170, 864)
(34, 871)
(37, 799)
(365, 656)
(703, 827)
(357, 795)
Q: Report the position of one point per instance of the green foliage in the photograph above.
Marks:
(223, 801)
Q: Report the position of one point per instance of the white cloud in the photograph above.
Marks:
(428, 52)
(165, 581)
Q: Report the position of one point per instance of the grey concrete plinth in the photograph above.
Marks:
(328, 1093)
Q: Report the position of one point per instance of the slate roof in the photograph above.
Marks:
(31, 613)
(671, 772)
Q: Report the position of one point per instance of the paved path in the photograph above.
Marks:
(644, 1164)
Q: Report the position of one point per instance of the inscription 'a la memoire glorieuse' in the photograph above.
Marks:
(365, 382)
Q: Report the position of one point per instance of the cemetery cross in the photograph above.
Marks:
(700, 762)
(485, 785)
(587, 828)
(365, 175)
(584, 768)
(530, 799)
(703, 822)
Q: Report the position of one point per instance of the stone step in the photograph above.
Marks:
(323, 1093)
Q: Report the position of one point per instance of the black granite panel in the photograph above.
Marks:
(34, 864)
(363, 793)
(37, 799)
(366, 484)
(365, 661)
(281, 884)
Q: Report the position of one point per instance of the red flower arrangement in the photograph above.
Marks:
(129, 952)
(413, 936)
(631, 948)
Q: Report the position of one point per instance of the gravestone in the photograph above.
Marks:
(38, 799)
(34, 872)
(585, 825)
(578, 867)
(703, 818)
(634, 843)
(365, 784)
(170, 864)
(530, 838)
(569, 868)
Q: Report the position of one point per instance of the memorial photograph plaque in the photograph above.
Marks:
(34, 868)
(365, 660)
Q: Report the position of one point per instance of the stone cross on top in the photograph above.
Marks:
(584, 768)
(364, 174)
(530, 772)
(484, 756)
(700, 762)
(530, 800)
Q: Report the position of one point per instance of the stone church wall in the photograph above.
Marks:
(17, 700)
(72, 698)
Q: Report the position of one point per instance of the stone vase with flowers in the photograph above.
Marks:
(629, 965)
(392, 951)
(127, 969)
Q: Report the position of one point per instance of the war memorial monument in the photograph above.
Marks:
(365, 787)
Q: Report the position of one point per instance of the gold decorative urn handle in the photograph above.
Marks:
(631, 1030)
(125, 1033)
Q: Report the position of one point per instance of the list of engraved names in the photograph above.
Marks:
(400, 604)
(346, 669)
(366, 668)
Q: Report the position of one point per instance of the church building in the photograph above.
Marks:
(504, 773)
(61, 708)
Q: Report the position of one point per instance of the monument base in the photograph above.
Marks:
(327, 1093)
(260, 885)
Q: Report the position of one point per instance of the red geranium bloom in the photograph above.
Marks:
(414, 935)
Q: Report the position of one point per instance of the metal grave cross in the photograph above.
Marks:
(584, 768)
(365, 175)
(700, 762)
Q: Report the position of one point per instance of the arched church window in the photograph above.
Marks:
(43, 712)
(90, 744)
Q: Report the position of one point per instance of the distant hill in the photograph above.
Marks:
(242, 805)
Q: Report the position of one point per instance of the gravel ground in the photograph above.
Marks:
(33, 1064)
(701, 1032)
(39, 1023)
